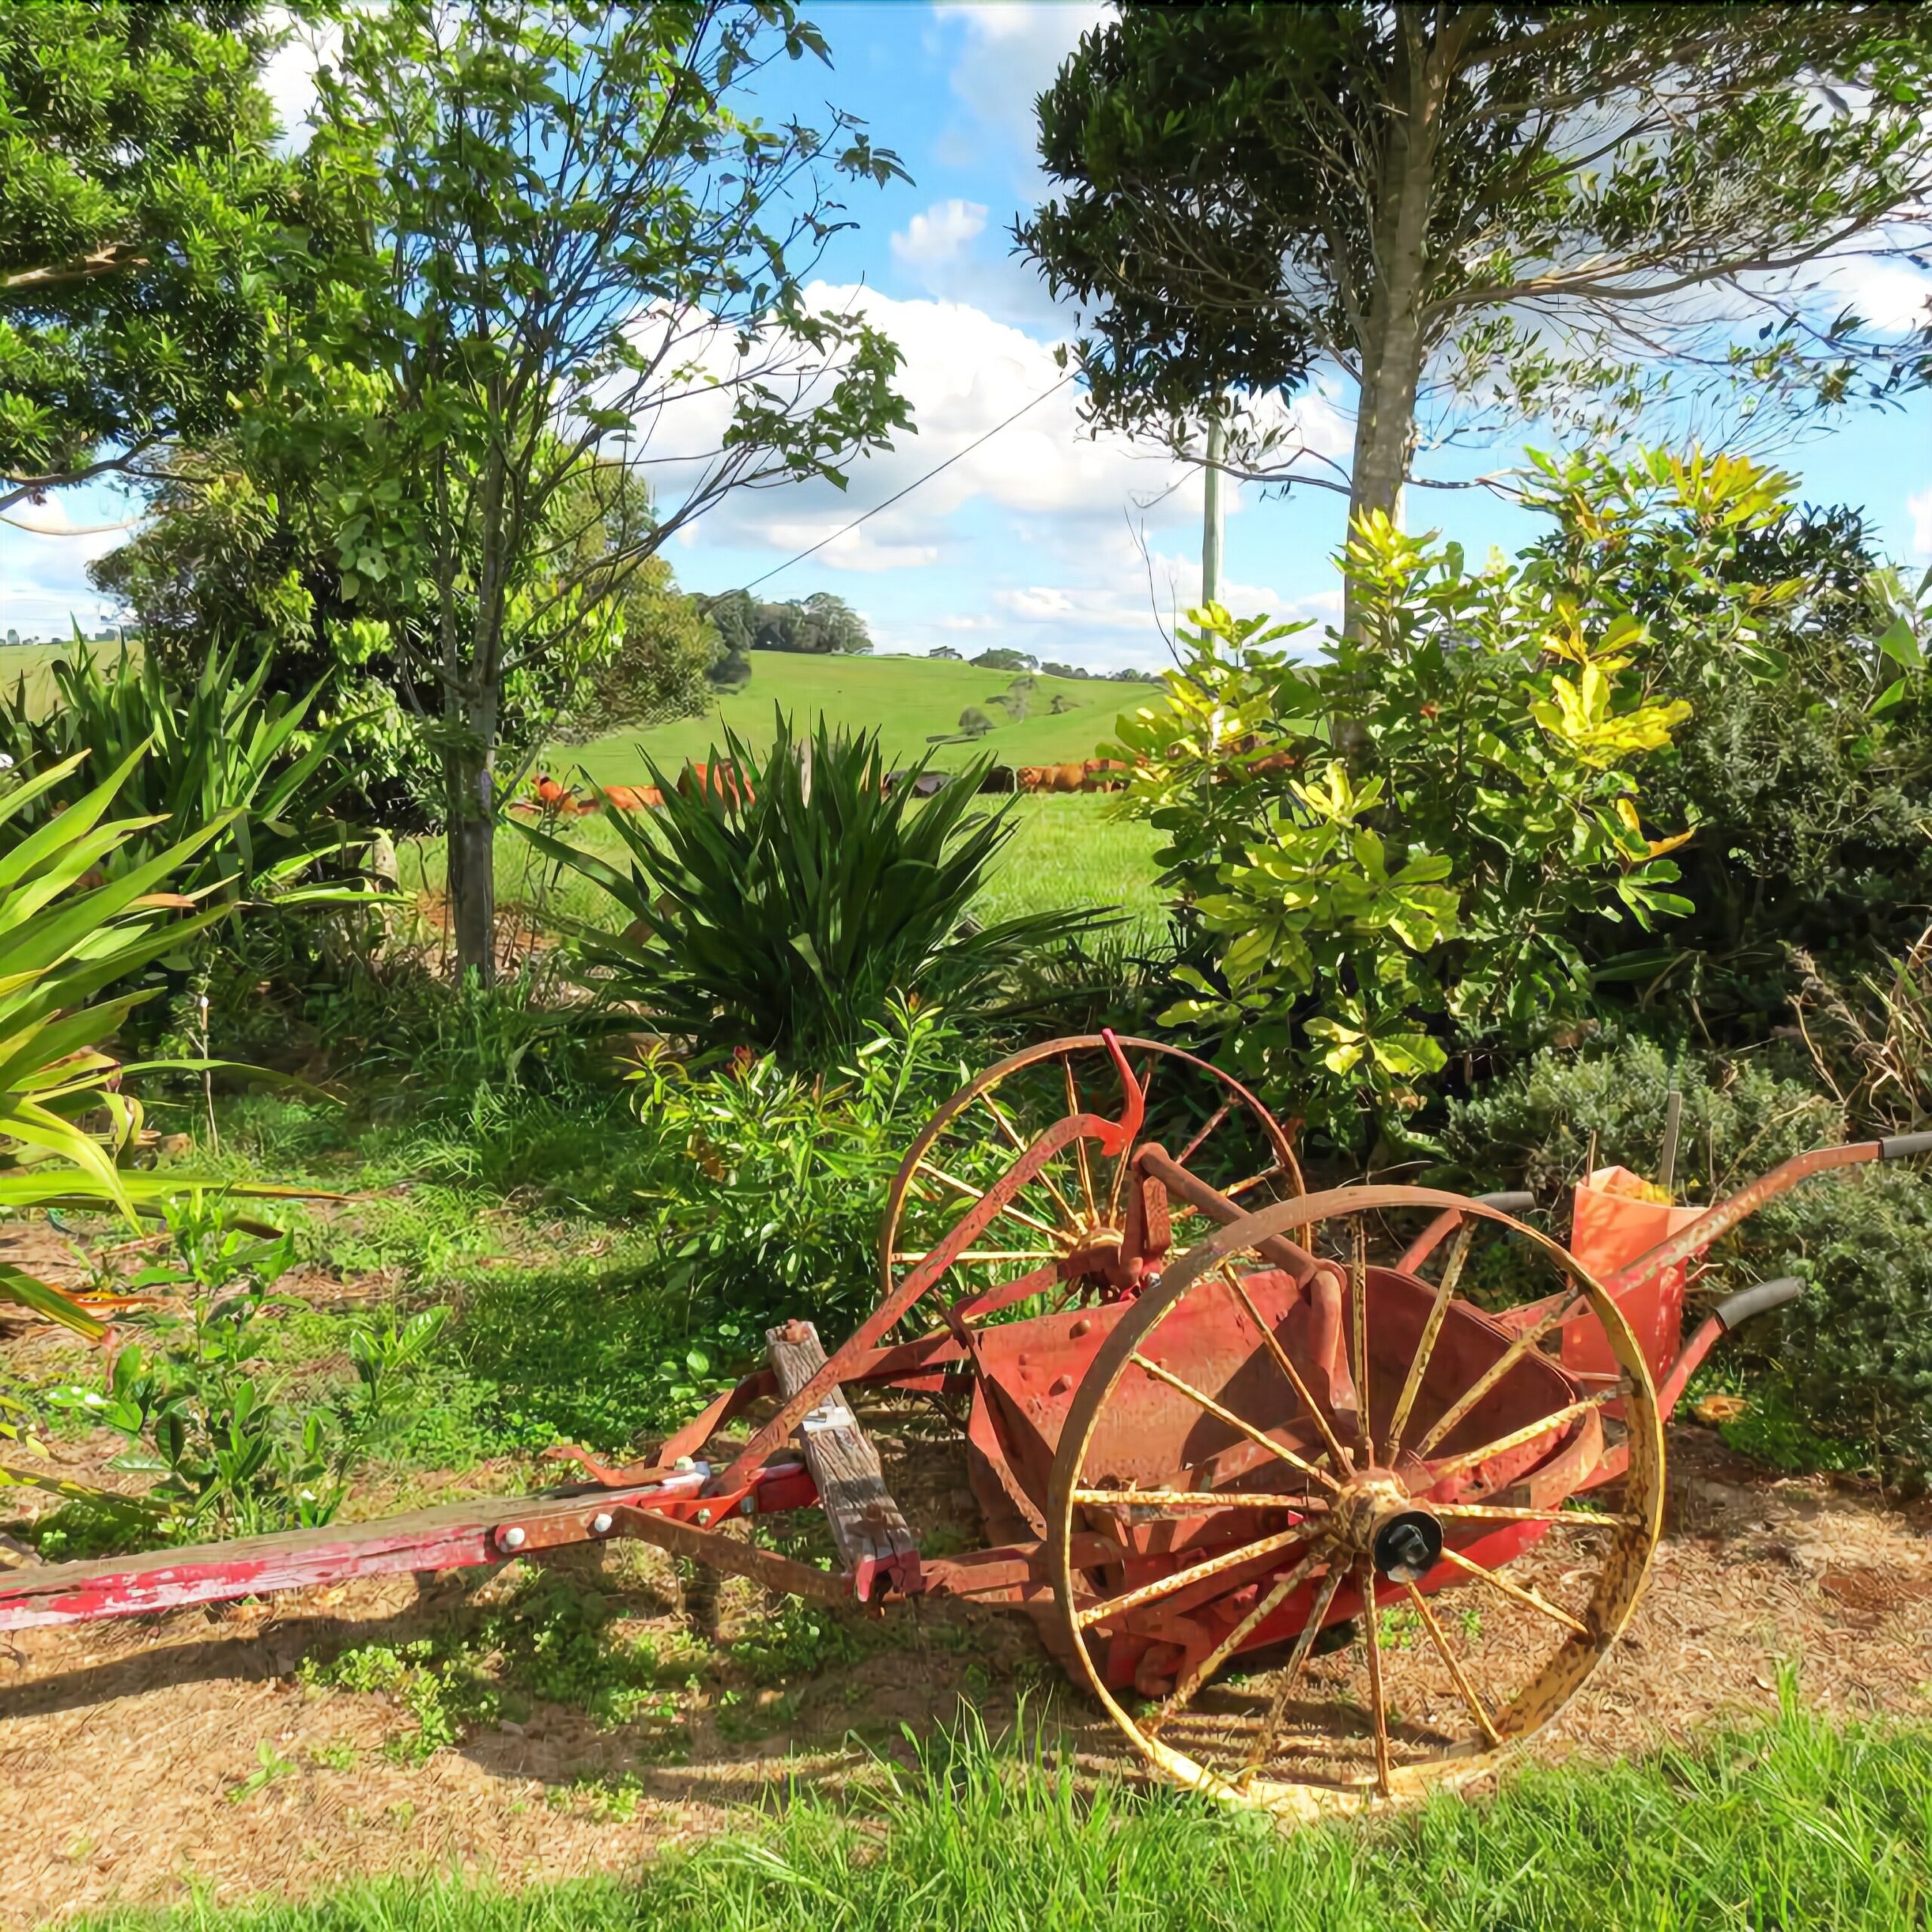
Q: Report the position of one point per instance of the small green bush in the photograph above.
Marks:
(769, 1186)
(1852, 1359)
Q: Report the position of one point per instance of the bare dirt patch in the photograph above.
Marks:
(141, 1759)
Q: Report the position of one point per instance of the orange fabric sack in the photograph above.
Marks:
(1610, 1227)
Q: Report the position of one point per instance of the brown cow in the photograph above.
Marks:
(632, 797)
(1066, 777)
(722, 781)
(1031, 778)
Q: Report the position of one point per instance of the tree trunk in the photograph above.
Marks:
(469, 779)
(1393, 352)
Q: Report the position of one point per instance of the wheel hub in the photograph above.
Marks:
(1374, 1516)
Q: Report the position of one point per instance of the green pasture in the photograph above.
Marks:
(1069, 851)
(907, 700)
(30, 667)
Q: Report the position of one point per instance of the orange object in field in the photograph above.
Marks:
(1616, 1219)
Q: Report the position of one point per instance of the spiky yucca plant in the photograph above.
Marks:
(780, 905)
(74, 922)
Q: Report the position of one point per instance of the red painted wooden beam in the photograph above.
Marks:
(486, 1531)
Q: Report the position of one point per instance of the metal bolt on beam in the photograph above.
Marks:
(511, 1538)
(600, 1524)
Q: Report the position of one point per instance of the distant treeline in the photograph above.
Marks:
(1003, 657)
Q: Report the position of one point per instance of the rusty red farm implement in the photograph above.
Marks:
(1298, 1485)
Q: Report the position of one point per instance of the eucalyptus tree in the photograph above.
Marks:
(578, 311)
(1478, 214)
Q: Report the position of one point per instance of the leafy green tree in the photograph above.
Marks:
(974, 723)
(662, 669)
(822, 623)
(581, 263)
(1476, 215)
(141, 206)
(1003, 657)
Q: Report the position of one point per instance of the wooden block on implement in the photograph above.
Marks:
(867, 1528)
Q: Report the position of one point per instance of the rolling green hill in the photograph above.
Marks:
(908, 699)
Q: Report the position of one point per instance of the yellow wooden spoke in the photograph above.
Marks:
(1046, 1179)
(1477, 1709)
(972, 1193)
(1271, 1726)
(1165, 1586)
(1491, 1376)
(1514, 1592)
(1495, 1513)
(1241, 1187)
(1378, 1707)
(1273, 1342)
(1197, 1501)
(1468, 1458)
(1080, 1146)
(909, 1260)
(1183, 1692)
(1228, 1415)
(1452, 1273)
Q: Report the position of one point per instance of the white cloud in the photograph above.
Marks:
(1012, 51)
(1919, 509)
(940, 235)
(1892, 295)
(966, 373)
(288, 78)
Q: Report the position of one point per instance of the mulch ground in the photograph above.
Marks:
(127, 1749)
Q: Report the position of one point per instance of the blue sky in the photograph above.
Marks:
(1030, 540)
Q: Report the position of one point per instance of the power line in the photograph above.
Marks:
(917, 483)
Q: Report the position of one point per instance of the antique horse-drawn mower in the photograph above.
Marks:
(1294, 1483)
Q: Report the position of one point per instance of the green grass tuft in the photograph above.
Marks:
(1799, 1824)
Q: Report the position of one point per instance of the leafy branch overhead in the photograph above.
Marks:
(143, 217)
(1474, 215)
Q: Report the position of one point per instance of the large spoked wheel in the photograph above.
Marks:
(1342, 1478)
(1054, 1239)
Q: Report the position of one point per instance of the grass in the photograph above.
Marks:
(31, 665)
(1797, 1824)
(908, 699)
(1069, 851)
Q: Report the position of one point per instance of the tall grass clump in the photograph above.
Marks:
(1797, 1823)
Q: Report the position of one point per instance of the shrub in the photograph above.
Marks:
(771, 1184)
(230, 1457)
(1854, 1355)
(1809, 777)
(780, 906)
(247, 772)
(1434, 835)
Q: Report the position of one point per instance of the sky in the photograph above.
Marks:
(1045, 538)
